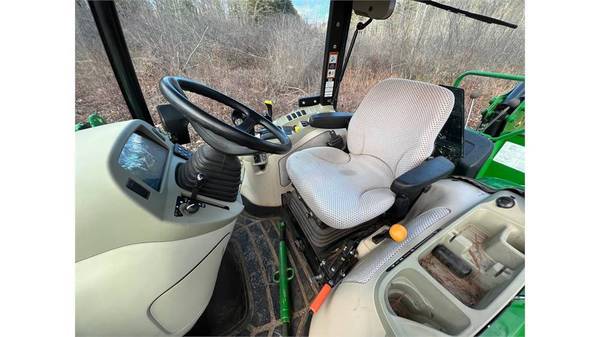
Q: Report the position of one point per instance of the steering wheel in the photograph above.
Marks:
(238, 140)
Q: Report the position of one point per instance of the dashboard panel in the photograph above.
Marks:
(125, 177)
(124, 217)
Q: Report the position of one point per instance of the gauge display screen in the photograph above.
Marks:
(144, 159)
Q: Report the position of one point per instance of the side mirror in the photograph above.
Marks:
(375, 9)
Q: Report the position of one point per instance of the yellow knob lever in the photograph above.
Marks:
(398, 232)
(269, 105)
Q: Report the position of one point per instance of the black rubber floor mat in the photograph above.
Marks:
(254, 246)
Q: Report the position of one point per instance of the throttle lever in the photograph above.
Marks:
(192, 206)
(269, 104)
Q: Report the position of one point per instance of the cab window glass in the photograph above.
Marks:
(424, 43)
(96, 89)
(249, 50)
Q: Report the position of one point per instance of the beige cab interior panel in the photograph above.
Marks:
(414, 299)
(351, 307)
(189, 301)
(482, 241)
(431, 296)
(348, 311)
(113, 292)
(133, 250)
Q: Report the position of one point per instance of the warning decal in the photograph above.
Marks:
(331, 65)
(512, 155)
(329, 88)
(333, 57)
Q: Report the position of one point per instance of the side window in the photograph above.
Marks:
(423, 43)
(96, 89)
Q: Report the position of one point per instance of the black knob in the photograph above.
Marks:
(505, 202)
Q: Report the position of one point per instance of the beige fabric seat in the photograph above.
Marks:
(392, 131)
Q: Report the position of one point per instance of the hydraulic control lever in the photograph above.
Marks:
(335, 271)
(510, 105)
(396, 232)
(473, 96)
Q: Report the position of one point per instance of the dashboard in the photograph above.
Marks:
(126, 195)
(125, 183)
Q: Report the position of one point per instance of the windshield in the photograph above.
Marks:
(96, 89)
(250, 53)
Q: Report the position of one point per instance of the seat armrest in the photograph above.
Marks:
(423, 175)
(330, 120)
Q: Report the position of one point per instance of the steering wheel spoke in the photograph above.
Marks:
(243, 134)
(247, 125)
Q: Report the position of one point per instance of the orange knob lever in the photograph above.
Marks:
(321, 296)
(398, 232)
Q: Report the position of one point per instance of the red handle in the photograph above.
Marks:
(321, 296)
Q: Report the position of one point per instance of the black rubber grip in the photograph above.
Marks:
(221, 171)
(455, 263)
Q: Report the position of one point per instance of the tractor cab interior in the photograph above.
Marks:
(387, 225)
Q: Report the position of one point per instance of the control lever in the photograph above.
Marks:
(192, 205)
(269, 114)
(340, 267)
(473, 96)
(397, 233)
(335, 272)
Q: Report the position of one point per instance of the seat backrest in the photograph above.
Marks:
(398, 122)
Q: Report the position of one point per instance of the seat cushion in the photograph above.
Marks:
(343, 190)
